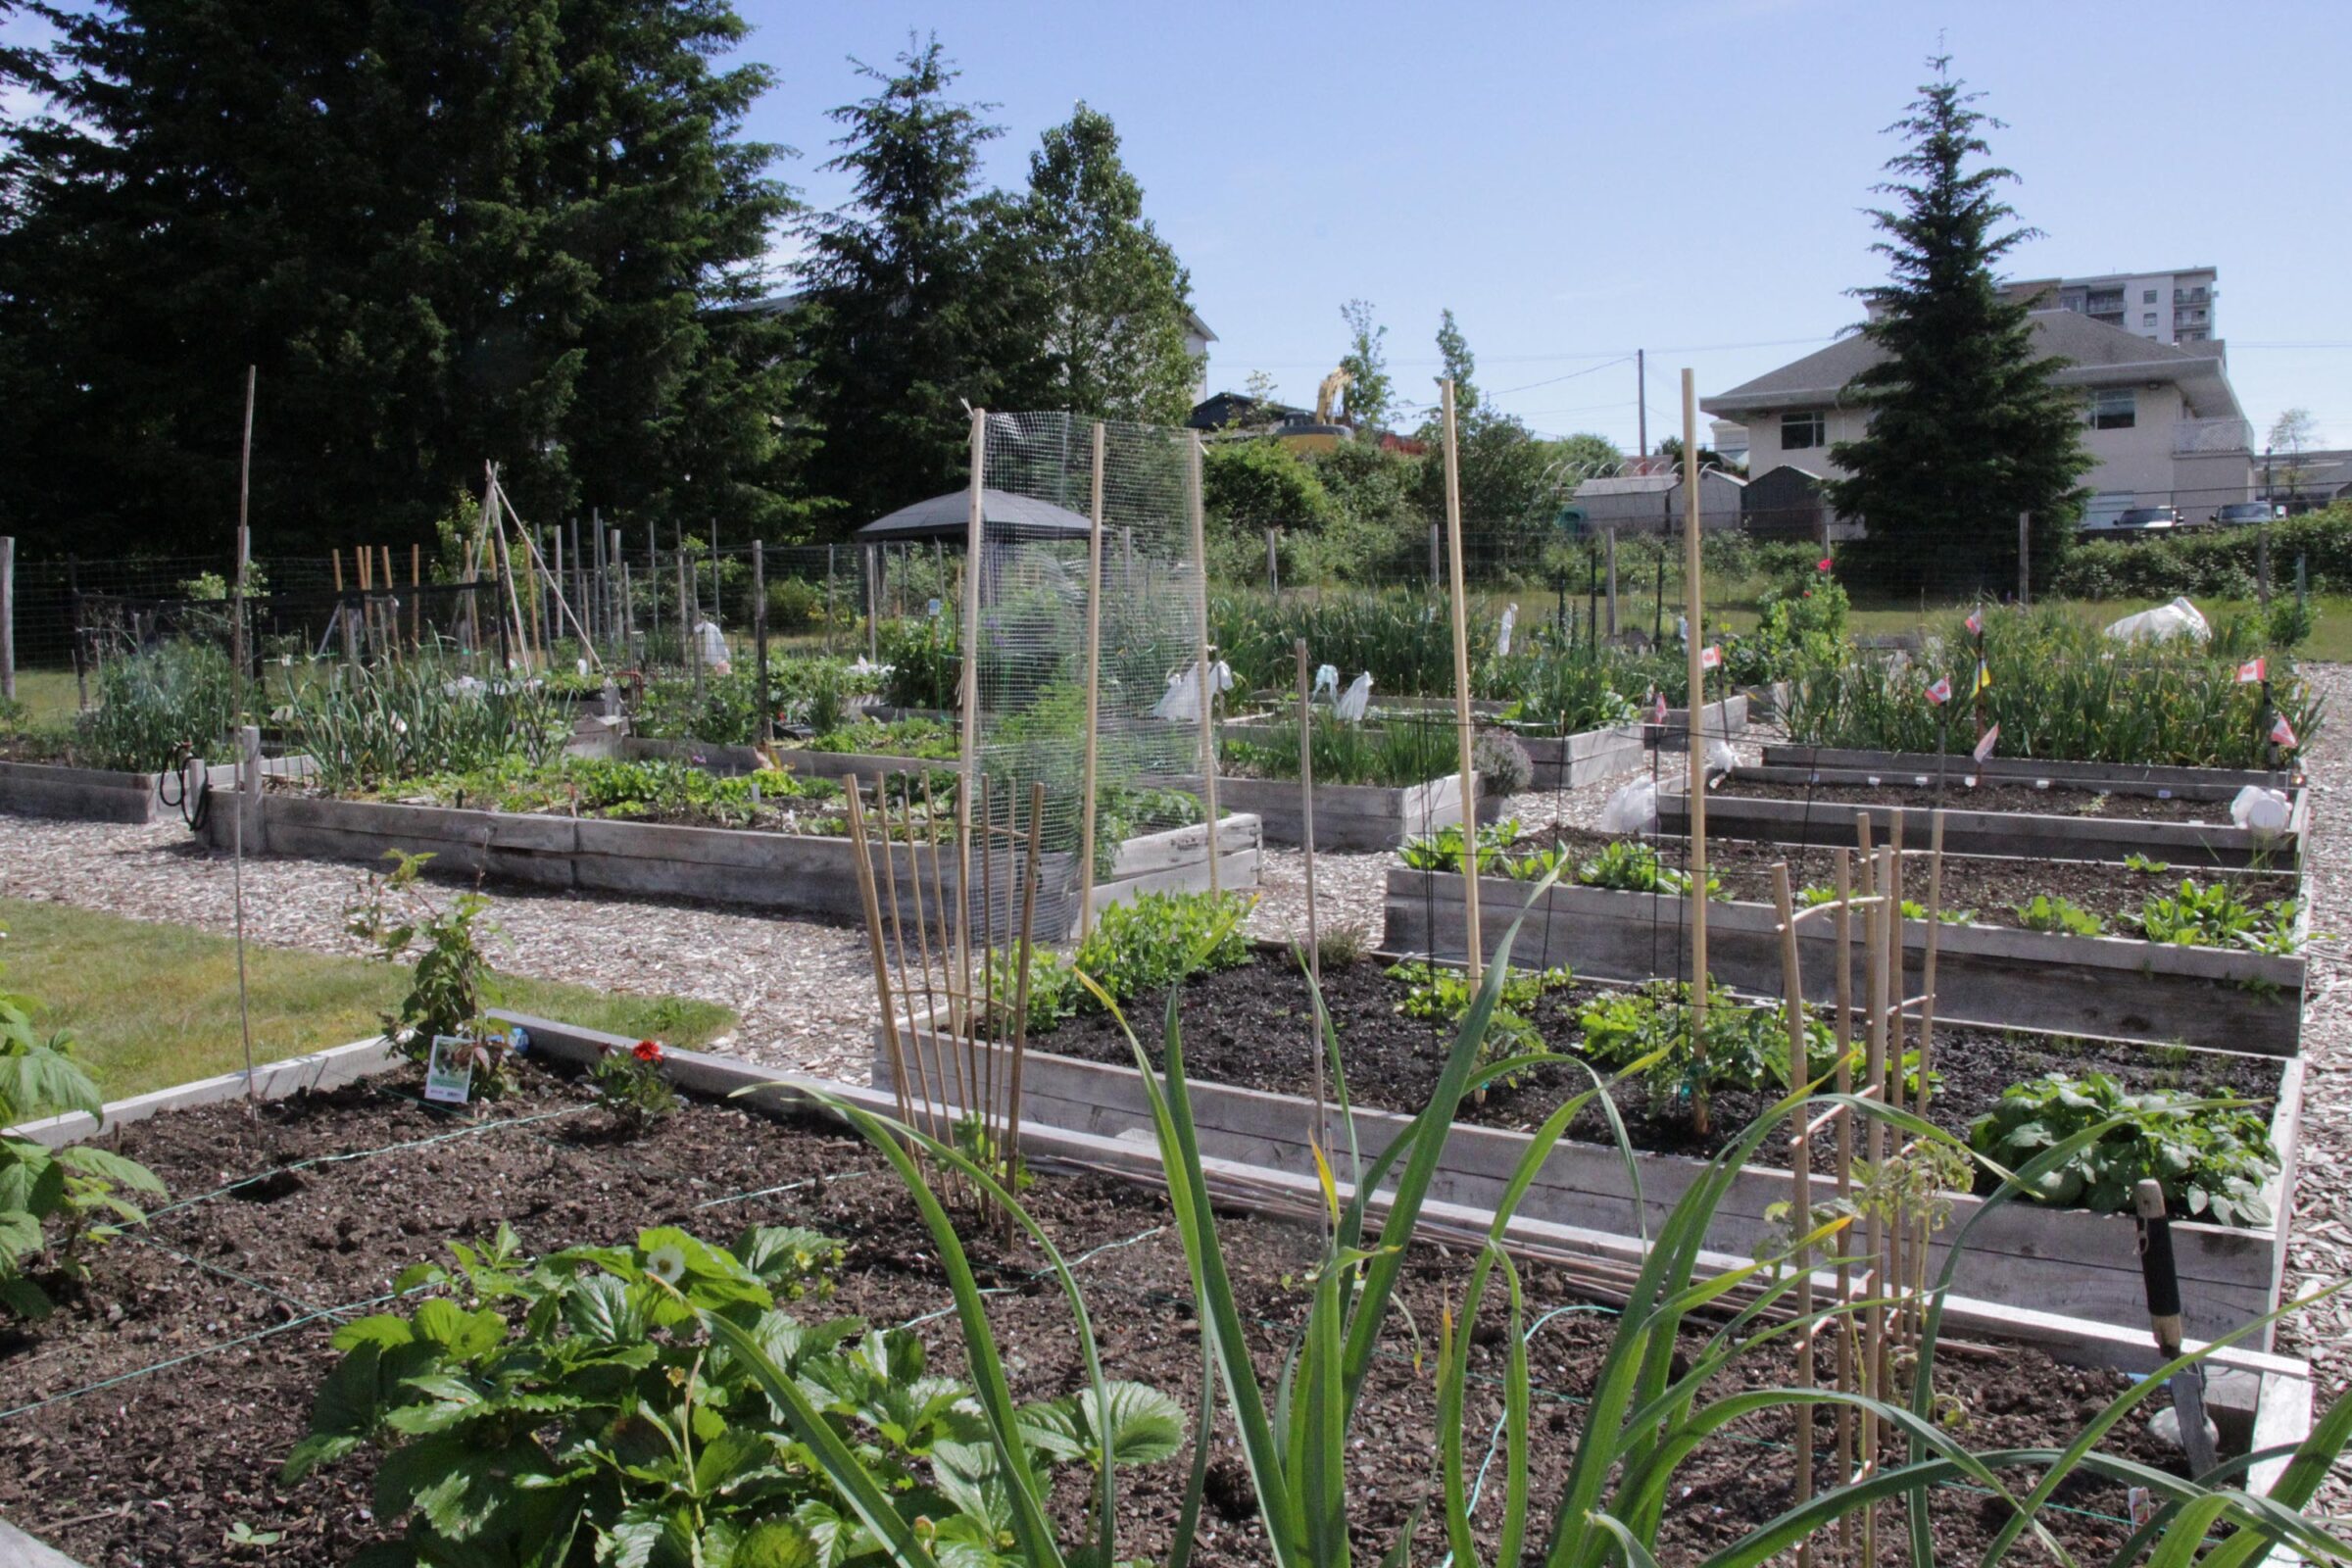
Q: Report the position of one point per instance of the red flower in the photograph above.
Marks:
(648, 1050)
(1823, 564)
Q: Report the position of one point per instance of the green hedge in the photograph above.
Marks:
(2212, 565)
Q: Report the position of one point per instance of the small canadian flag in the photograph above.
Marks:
(2284, 734)
(1976, 624)
(1985, 746)
(1941, 692)
(1657, 705)
(2253, 671)
(1710, 656)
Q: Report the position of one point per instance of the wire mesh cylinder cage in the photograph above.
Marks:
(1085, 595)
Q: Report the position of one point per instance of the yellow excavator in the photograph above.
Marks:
(1326, 432)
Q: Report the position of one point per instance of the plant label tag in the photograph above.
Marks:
(1970, 781)
(1920, 779)
(1993, 738)
(448, 1080)
(2140, 1503)
(2164, 795)
(1874, 781)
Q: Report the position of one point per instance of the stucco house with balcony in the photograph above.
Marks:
(2161, 422)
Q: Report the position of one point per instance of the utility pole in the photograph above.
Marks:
(1641, 401)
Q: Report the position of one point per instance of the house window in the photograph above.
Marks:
(1808, 430)
(2113, 408)
(2147, 296)
(2147, 319)
(2192, 337)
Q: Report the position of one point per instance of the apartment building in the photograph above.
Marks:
(2174, 307)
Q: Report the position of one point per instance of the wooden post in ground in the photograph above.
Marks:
(8, 618)
(1693, 634)
(416, 596)
(767, 712)
(1461, 687)
(1093, 694)
(967, 687)
(1609, 559)
(1195, 506)
(1307, 839)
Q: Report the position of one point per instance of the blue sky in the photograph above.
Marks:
(1577, 181)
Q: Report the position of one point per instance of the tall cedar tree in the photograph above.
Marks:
(895, 323)
(1096, 302)
(1968, 424)
(1501, 464)
(509, 230)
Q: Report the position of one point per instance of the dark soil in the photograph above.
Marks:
(2056, 800)
(1248, 1027)
(203, 1322)
(1989, 886)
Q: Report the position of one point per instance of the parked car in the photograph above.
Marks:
(2242, 511)
(2136, 521)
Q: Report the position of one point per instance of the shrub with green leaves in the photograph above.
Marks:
(452, 986)
(172, 695)
(1745, 1047)
(2059, 916)
(925, 659)
(79, 1187)
(1135, 946)
(1443, 995)
(2213, 1160)
(2215, 916)
(654, 1403)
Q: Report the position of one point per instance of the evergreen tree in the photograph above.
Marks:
(1453, 352)
(1969, 426)
(1365, 402)
(895, 323)
(505, 230)
(1095, 301)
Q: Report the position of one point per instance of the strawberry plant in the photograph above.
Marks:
(629, 1083)
(2059, 916)
(2212, 1159)
(2216, 917)
(1747, 1047)
(1443, 996)
(654, 1405)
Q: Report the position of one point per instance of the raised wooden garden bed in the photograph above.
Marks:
(2135, 778)
(801, 873)
(1819, 806)
(1347, 816)
(2067, 1261)
(97, 795)
(2117, 988)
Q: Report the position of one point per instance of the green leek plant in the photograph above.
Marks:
(1647, 1412)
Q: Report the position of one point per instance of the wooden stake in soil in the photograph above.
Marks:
(955, 989)
(1842, 1031)
(1694, 700)
(1800, 1183)
(969, 686)
(1094, 701)
(935, 1078)
(897, 931)
(1306, 837)
(1020, 1005)
(873, 946)
(1463, 740)
(238, 668)
(1196, 510)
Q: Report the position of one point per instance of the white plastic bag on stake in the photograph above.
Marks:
(1510, 618)
(1349, 709)
(2263, 810)
(711, 647)
(1632, 809)
(2180, 619)
(1182, 702)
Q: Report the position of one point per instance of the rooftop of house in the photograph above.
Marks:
(2096, 355)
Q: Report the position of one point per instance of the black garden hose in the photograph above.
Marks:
(194, 802)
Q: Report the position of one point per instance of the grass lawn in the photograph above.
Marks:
(49, 696)
(150, 1005)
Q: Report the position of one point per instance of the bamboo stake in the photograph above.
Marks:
(1874, 1081)
(1694, 699)
(873, 945)
(1843, 1034)
(988, 970)
(935, 1078)
(1094, 701)
(897, 931)
(1463, 741)
(416, 598)
(1926, 1024)
(1195, 506)
(1020, 1006)
(1801, 1183)
(968, 691)
(1306, 837)
(335, 559)
(959, 999)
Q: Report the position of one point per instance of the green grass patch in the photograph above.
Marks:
(151, 1004)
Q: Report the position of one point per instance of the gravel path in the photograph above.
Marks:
(804, 991)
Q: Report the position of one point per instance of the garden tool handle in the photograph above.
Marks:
(2156, 1267)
